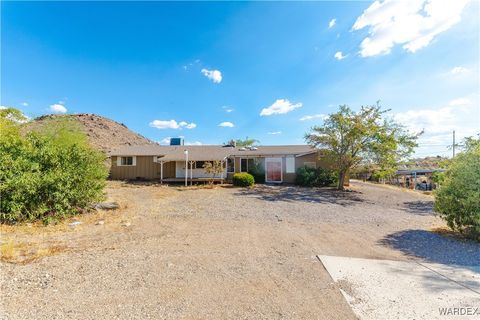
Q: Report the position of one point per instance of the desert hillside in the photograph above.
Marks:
(104, 134)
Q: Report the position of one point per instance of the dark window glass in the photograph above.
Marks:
(230, 165)
(199, 164)
(127, 161)
(243, 165)
(251, 164)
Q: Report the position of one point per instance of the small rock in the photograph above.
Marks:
(100, 222)
(107, 205)
(75, 223)
(126, 224)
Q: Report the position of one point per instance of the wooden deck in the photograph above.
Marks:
(193, 180)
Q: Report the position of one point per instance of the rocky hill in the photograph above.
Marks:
(104, 134)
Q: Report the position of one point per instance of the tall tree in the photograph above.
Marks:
(247, 142)
(349, 138)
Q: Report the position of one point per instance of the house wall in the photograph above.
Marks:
(299, 162)
(145, 168)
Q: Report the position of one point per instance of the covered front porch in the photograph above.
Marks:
(190, 167)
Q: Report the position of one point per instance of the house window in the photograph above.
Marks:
(230, 165)
(243, 165)
(199, 164)
(290, 164)
(310, 165)
(126, 161)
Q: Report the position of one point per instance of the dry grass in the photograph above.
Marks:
(28, 242)
(397, 188)
(446, 231)
(26, 252)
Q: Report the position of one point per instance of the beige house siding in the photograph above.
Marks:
(299, 162)
(145, 168)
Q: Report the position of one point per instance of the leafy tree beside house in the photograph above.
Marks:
(46, 174)
(349, 138)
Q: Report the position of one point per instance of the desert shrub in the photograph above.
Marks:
(243, 179)
(213, 168)
(49, 173)
(315, 177)
(458, 198)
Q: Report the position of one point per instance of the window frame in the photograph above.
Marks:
(120, 161)
(226, 164)
(246, 162)
(287, 160)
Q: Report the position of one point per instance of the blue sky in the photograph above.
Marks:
(267, 70)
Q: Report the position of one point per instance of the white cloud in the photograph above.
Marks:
(275, 132)
(214, 75)
(184, 124)
(171, 124)
(3, 107)
(339, 55)
(459, 102)
(193, 143)
(314, 116)
(165, 141)
(228, 109)
(226, 124)
(459, 70)
(24, 104)
(58, 108)
(411, 23)
(280, 106)
(332, 23)
(461, 115)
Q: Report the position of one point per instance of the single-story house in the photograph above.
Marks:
(178, 162)
(418, 178)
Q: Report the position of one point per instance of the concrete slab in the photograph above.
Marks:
(386, 289)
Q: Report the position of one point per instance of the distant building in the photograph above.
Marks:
(417, 179)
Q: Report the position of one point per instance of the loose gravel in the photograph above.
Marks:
(229, 253)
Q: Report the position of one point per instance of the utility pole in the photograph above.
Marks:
(453, 145)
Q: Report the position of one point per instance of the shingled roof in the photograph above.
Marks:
(209, 152)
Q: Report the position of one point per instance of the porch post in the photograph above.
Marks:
(191, 172)
(221, 175)
(186, 167)
(161, 172)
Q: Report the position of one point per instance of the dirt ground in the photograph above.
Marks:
(202, 253)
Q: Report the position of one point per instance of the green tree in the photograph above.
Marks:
(458, 198)
(213, 168)
(48, 173)
(247, 142)
(349, 138)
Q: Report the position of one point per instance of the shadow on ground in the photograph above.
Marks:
(294, 194)
(420, 207)
(434, 247)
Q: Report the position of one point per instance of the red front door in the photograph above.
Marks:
(273, 169)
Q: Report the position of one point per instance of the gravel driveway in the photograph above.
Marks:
(219, 253)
